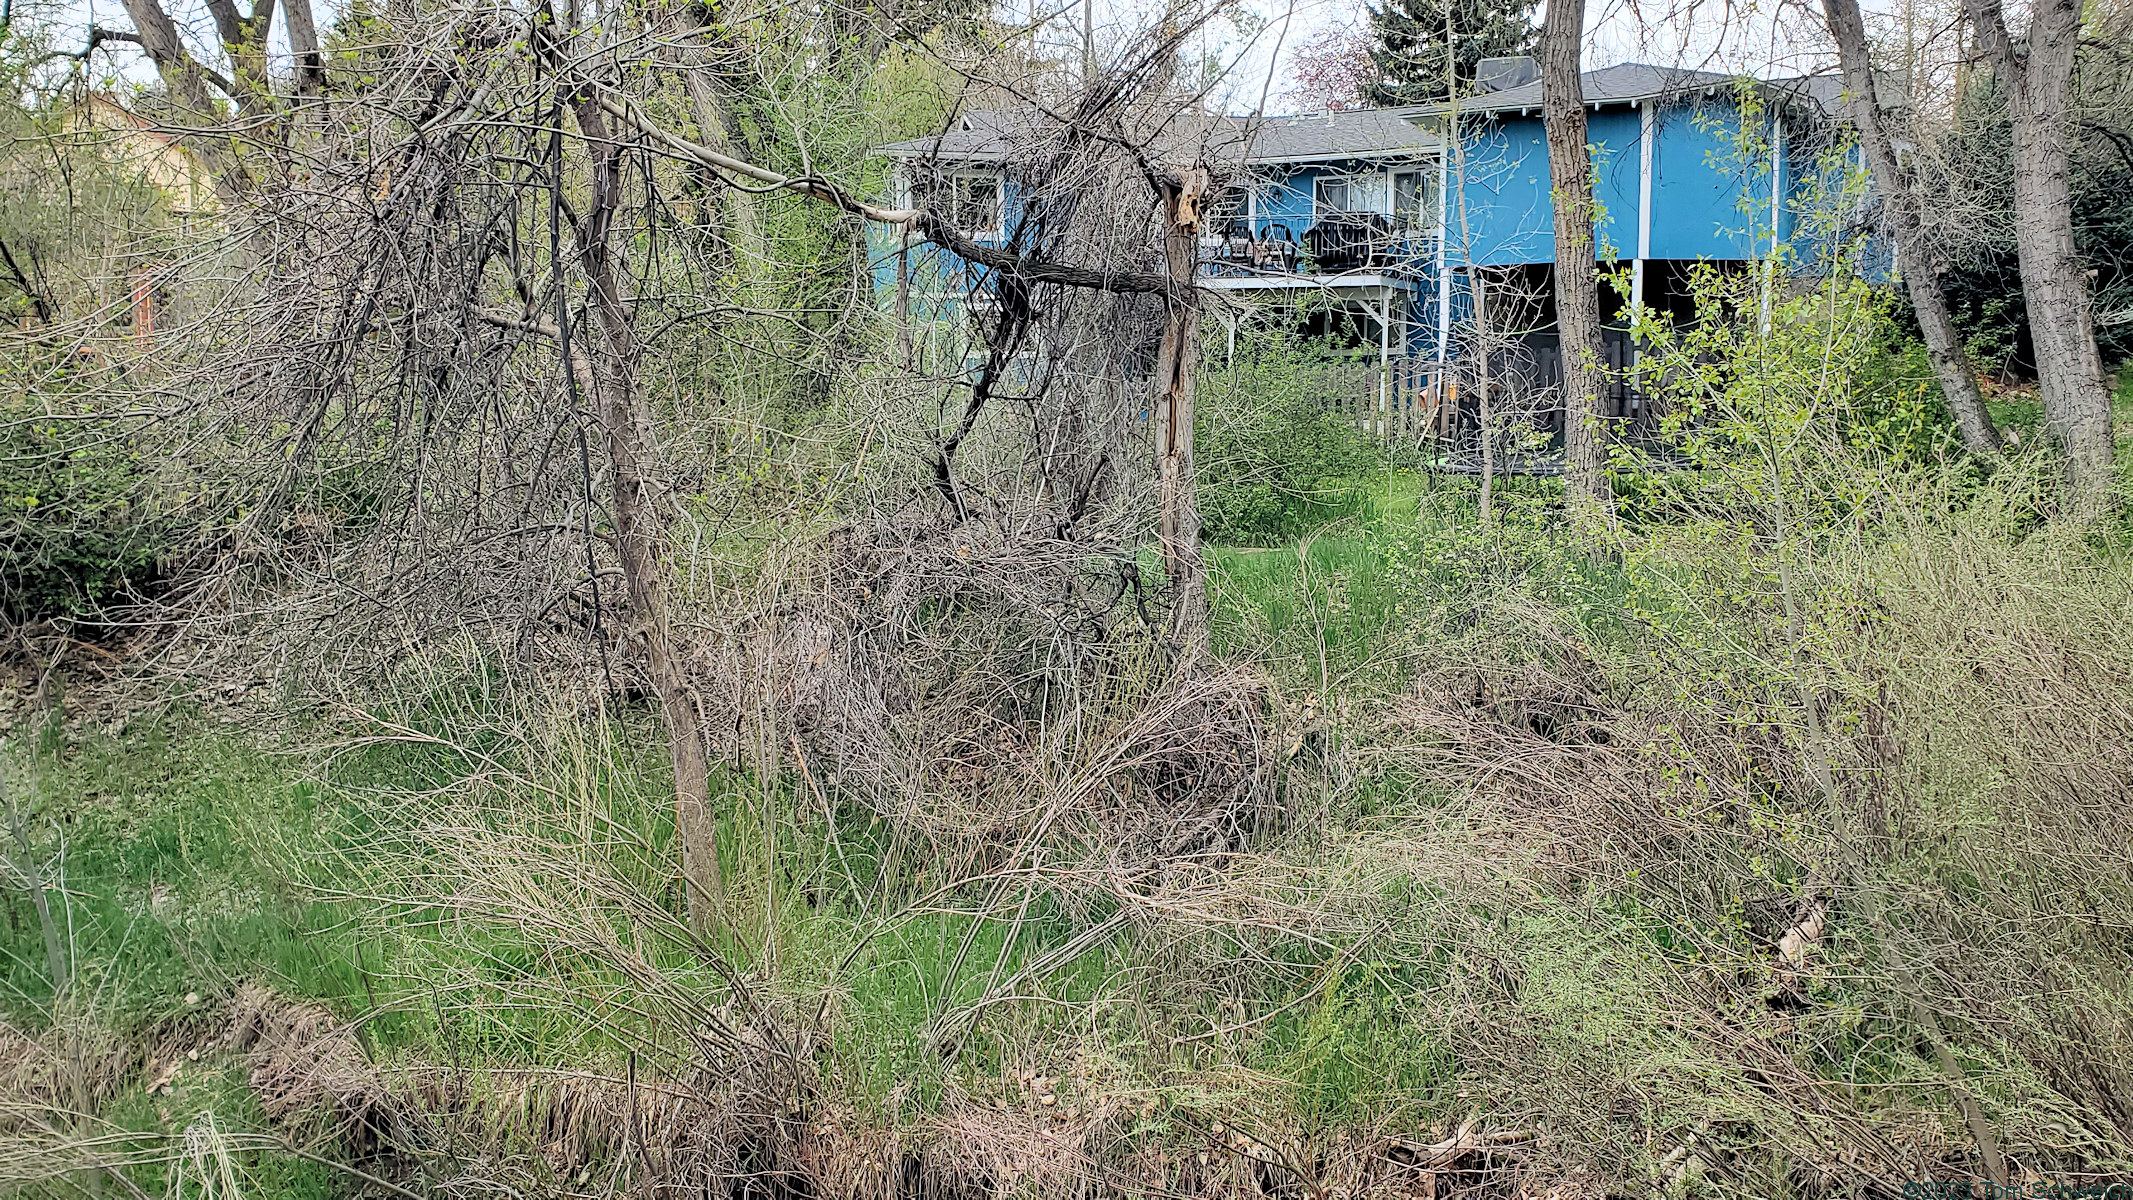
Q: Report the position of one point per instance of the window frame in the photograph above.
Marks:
(955, 181)
(1346, 182)
(1428, 212)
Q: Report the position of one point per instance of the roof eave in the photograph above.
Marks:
(1532, 106)
(909, 153)
(1280, 160)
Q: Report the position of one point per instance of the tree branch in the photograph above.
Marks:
(922, 221)
(229, 23)
(36, 297)
(1991, 22)
(186, 76)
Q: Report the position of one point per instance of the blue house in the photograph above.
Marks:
(1370, 224)
(1336, 213)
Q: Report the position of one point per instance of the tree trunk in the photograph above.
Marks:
(1180, 355)
(2038, 76)
(640, 536)
(180, 71)
(737, 222)
(303, 47)
(1577, 289)
(1899, 197)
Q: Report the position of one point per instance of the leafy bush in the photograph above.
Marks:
(1275, 456)
(76, 526)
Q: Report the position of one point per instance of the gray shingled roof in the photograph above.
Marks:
(1622, 84)
(1628, 83)
(983, 136)
(989, 136)
(1365, 133)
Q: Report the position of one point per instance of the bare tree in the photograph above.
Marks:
(245, 83)
(2037, 69)
(1577, 291)
(640, 534)
(1900, 200)
(415, 208)
(187, 78)
(1332, 70)
(1182, 194)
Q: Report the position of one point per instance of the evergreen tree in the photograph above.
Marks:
(1408, 43)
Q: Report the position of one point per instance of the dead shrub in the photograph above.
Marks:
(972, 684)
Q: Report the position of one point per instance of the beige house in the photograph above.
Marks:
(130, 140)
(132, 143)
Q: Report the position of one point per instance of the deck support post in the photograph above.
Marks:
(1647, 146)
(1385, 360)
(1647, 143)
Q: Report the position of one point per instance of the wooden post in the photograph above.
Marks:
(1402, 399)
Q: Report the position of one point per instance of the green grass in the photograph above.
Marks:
(1316, 610)
(166, 851)
(1335, 611)
(166, 846)
(1324, 596)
(190, 863)
(194, 860)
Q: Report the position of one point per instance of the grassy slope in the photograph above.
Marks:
(192, 860)
(189, 860)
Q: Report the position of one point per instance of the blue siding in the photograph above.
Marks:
(1509, 218)
(1617, 136)
(1286, 200)
(1707, 204)
(1699, 185)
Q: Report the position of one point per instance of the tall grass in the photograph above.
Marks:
(1753, 852)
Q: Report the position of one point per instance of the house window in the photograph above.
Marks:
(1414, 199)
(976, 203)
(1337, 194)
(972, 201)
